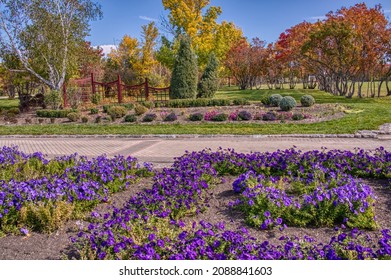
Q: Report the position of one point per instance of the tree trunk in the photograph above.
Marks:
(379, 87)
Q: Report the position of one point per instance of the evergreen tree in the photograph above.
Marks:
(209, 82)
(185, 72)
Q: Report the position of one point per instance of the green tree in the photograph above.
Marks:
(46, 35)
(185, 73)
(209, 82)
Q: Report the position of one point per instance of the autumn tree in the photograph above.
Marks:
(198, 20)
(351, 46)
(288, 53)
(45, 34)
(124, 61)
(247, 62)
(185, 73)
(90, 60)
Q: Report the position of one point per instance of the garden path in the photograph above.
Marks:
(160, 150)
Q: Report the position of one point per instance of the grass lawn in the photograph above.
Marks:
(6, 103)
(364, 114)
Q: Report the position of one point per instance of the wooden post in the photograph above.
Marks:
(93, 84)
(64, 95)
(146, 89)
(119, 89)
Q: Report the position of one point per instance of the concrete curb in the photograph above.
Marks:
(371, 135)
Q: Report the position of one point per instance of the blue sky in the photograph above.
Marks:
(257, 18)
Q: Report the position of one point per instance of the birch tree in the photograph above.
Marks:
(45, 35)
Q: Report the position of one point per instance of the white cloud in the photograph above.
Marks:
(147, 18)
(106, 48)
(317, 18)
(387, 11)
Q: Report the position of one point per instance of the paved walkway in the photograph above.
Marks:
(161, 151)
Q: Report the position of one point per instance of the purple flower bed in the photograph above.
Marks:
(33, 180)
(284, 187)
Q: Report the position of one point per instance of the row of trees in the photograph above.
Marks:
(42, 42)
(350, 47)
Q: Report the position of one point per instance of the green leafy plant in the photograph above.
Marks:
(240, 101)
(53, 99)
(54, 113)
(298, 117)
(274, 100)
(219, 117)
(149, 117)
(94, 111)
(130, 118)
(287, 103)
(73, 117)
(196, 117)
(307, 100)
(117, 112)
(171, 117)
(140, 109)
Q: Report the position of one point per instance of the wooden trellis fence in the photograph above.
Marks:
(116, 91)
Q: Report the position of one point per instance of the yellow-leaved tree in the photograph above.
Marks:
(197, 19)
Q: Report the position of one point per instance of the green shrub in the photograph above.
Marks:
(209, 82)
(53, 99)
(148, 104)
(106, 108)
(95, 98)
(287, 103)
(14, 111)
(45, 217)
(84, 119)
(220, 117)
(269, 116)
(196, 117)
(117, 112)
(54, 113)
(265, 99)
(274, 100)
(200, 102)
(240, 101)
(171, 117)
(73, 117)
(185, 73)
(140, 109)
(244, 115)
(130, 118)
(149, 117)
(219, 102)
(94, 111)
(98, 119)
(307, 100)
(298, 117)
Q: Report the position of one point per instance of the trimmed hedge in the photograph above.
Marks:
(128, 106)
(200, 102)
(54, 113)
